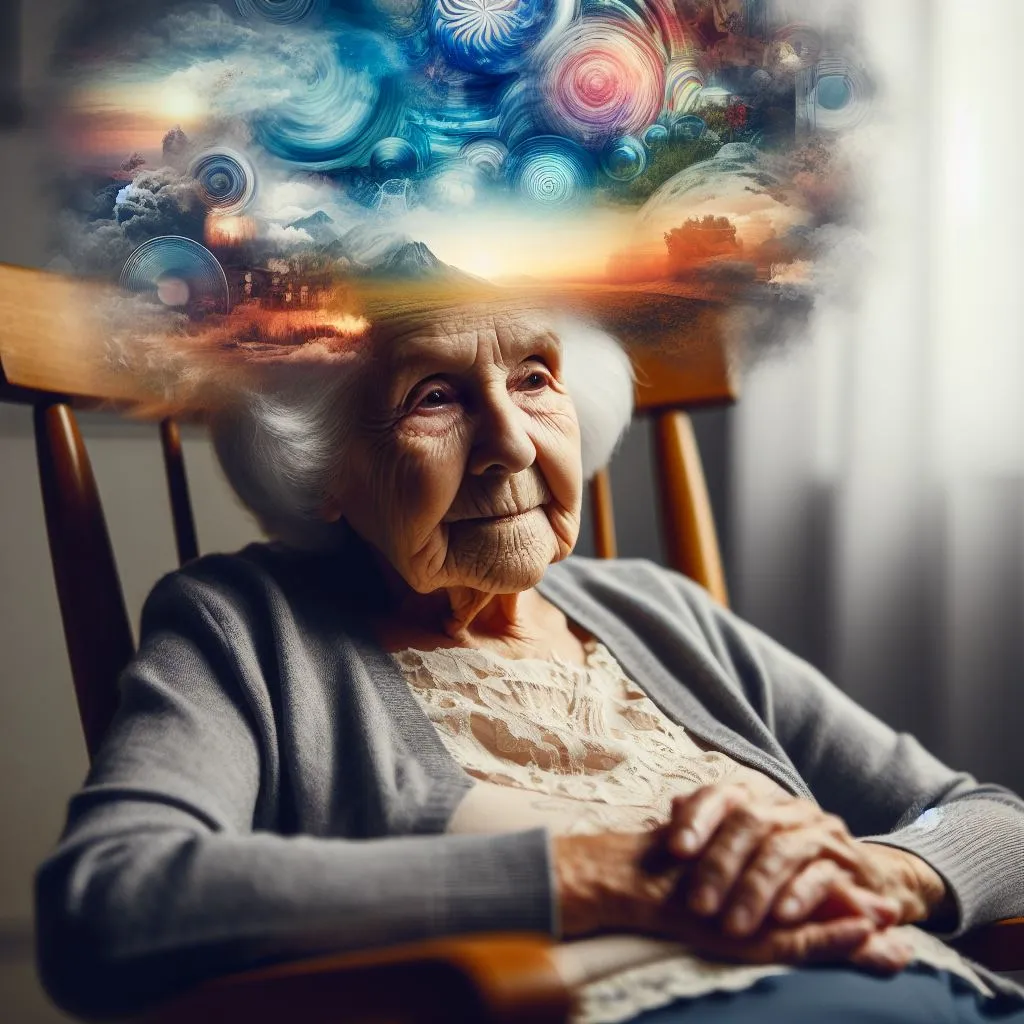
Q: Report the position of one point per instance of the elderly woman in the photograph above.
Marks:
(414, 715)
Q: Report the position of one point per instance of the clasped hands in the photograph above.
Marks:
(739, 877)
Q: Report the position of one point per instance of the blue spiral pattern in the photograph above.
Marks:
(624, 158)
(551, 171)
(493, 36)
(283, 12)
(487, 156)
(394, 157)
(181, 260)
(225, 180)
(337, 118)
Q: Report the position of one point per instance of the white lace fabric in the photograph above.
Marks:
(582, 749)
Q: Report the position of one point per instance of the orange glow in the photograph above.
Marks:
(293, 326)
(228, 230)
(348, 324)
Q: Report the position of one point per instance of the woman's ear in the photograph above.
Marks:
(330, 511)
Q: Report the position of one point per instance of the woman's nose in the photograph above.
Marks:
(501, 442)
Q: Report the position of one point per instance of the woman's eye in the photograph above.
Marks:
(435, 396)
(534, 381)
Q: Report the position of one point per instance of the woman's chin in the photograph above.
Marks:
(502, 556)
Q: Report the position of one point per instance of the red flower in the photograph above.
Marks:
(736, 115)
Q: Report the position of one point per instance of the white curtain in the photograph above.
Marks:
(878, 467)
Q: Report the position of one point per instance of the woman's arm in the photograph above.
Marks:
(160, 879)
(882, 783)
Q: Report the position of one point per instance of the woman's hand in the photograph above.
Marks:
(631, 882)
(753, 860)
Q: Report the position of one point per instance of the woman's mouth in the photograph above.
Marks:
(497, 520)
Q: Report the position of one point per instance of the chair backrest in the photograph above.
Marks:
(96, 625)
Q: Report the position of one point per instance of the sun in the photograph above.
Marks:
(180, 104)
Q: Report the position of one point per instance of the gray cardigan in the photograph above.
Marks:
(270, 788)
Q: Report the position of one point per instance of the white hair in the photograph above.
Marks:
(282, 447)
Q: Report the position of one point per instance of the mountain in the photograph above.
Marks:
(377, 250)
(414, 259)
(372, 243)
(319, 226)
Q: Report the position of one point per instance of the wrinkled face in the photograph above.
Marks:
(463, 466)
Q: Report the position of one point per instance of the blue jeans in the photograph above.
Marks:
(836, 995)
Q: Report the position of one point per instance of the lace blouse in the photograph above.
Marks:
(582, 749)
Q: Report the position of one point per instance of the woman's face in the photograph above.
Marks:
(463, 466)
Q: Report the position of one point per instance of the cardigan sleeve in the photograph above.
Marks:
(161, 879)
(883, 783)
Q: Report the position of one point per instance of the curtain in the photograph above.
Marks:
(877, 515)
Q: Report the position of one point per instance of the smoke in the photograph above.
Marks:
(93, 248)
(287, 236)
(118, 218)
(160, 202)
(180, 364)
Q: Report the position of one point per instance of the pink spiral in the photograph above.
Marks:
(603, 79)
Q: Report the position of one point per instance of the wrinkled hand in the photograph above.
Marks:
(753, 860)
(632, 882)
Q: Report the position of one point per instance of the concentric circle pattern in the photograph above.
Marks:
(487, 156)
(840, 97)
(284, 12)
(550, 171)
(603, 78)
(177, 272)
(225, 180)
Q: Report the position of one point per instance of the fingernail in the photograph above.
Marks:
(789, 907)
(688, 840)
(705, 900)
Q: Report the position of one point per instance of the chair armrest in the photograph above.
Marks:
(504, 979)
(999, 946)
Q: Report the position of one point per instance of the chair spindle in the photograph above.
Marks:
(96, 627)
(177, 486)
(603, 514)
(687, 523)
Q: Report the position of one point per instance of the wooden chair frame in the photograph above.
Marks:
(505, 978)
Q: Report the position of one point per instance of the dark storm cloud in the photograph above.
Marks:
(159, 202)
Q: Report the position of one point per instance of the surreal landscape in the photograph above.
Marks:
(270, 176)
